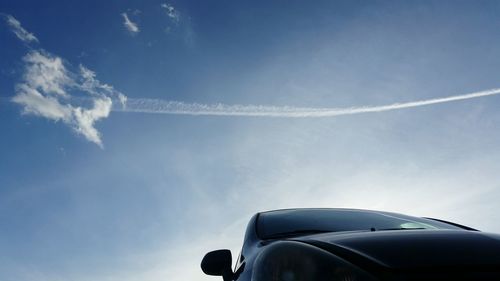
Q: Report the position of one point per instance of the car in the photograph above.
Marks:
(351, 244)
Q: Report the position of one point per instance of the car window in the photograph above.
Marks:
(283, 222)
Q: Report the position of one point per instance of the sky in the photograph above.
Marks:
(138, 135)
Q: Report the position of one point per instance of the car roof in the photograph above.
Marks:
(333, 209)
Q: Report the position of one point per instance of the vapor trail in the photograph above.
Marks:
(157, 106)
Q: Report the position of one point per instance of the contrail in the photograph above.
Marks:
(157, 106)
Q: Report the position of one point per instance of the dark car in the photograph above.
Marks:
(349, 245)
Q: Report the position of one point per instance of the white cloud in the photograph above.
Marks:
(91, 85)
(38, 104)
(44, 92)
(85, 119)
(46, 73)
(172, 13)
(131, 26)
(19, 31)
(123, 100)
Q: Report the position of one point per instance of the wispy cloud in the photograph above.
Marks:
(45, 91)
(90, 84)
(171, 12)
(129, 25)
(46, 73)
(47, 86)
(179, 24)
(19, 31)
(173, 107)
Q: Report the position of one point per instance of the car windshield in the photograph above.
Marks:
(284, 223)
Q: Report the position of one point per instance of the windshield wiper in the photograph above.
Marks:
(297, 233)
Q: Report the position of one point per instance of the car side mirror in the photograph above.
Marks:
(218, 263)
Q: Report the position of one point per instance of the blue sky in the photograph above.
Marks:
(102, 193)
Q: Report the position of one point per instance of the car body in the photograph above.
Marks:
(351, 244)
